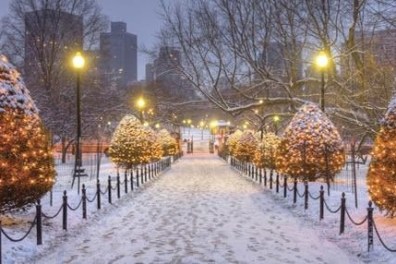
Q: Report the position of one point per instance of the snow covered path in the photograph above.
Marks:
(200, 211)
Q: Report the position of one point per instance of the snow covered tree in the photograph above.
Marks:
(265, 153)
(246, 147)
(311, 147)
(155, 145)
(169, 143)
(233, 140)
(381, 178)
(26, 163)
(132, 144)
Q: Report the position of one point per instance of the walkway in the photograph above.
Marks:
(200, 211)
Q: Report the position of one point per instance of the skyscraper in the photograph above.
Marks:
(118, 52)
(165, 71)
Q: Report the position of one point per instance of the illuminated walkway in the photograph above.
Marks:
(200, 211)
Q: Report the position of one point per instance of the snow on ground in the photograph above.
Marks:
(200, 211)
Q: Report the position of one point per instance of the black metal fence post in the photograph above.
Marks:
(98, 193)
(109, 189)
(145, 172)
(265, 177)
(64, 218)
(84, 202)
(137, 178)
(38, 223)
(131, 179)
(321, 202)
(370, 231)
(342, 212)
(141, 175)
(306, 195)
(118, 186)
(295, 191)
(271, 179)
(285, 186)
(277, 182)
(149, 171)
(126, 182)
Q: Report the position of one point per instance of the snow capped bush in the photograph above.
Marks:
(265, 152)
(246, 147)
(26, 163)
(381, 178)
(169, 143)
(133, 144)
(233, 140)
(311, 146)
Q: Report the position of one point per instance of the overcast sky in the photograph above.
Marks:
(141, 17)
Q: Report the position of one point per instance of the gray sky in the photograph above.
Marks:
(141, 17)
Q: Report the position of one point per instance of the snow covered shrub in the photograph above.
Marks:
(246, 147)
(132, 144)
(233, 140)
(26, 163)
(168, 143)
(265, 152)
(381, 177)
(311, 146)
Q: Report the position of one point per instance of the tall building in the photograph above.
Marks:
(165, 71)
(118, 52)
(51, 38)
(382, 45)
(149, 72)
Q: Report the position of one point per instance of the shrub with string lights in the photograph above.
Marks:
(311, 146)
(233, 140)
(381, 177)
(26, 162)
(133, 144)
(246, 147)
(265, 152)
(168, 143)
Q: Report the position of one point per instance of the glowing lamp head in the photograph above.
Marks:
(78, 61)
(322, 60)
(140, 103)
(213, 124)
(276, 118)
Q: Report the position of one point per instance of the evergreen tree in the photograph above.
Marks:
(246, 147)
(233, 140)
(169, 143)
(26, 163)
(311, 146)
(265, 153)
(132, 144)
(381, 178)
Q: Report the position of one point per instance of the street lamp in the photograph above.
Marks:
(276, 119)
(141, 103)
(322, 61)
(78, 64)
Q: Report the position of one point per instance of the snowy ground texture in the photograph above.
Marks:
(202, 211)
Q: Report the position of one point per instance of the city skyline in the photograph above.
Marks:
(142, 19)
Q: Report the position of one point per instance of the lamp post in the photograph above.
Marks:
(78, 64)
(189, 126)
(322, 61)
(276, 119)
(141, 103)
